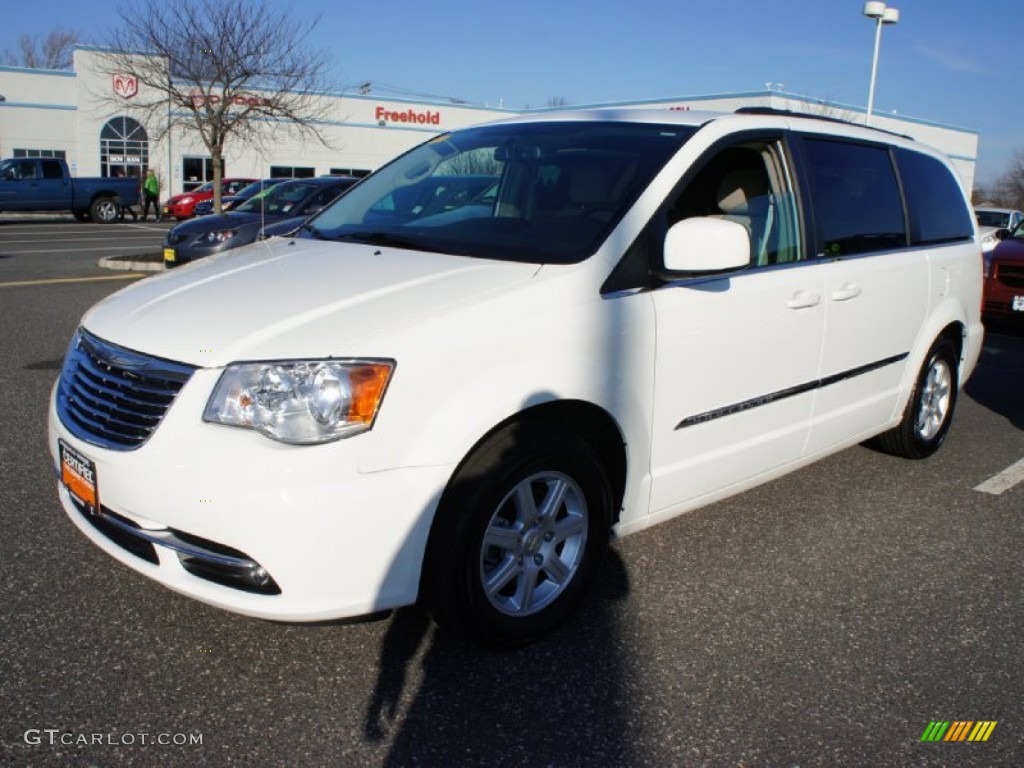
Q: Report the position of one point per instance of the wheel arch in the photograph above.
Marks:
(584, 419)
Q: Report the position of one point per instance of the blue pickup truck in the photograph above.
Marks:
(44, 184)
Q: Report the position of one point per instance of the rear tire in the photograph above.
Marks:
(104, 210)
(518, 537)
(929, 412)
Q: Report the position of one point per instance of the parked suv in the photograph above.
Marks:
(637, 314)
(1004, 277)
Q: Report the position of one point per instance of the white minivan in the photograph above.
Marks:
(456, 382)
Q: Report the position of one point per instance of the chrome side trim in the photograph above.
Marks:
(782, 394)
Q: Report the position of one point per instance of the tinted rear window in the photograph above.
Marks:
(856, 198)
(938, 212)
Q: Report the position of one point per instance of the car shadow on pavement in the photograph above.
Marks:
(996, 381)
(560, 701)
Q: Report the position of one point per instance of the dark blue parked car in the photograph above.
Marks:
(291, 199)
(230, 202)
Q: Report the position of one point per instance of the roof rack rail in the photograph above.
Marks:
(826, 118)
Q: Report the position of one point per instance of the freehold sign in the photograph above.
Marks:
(408, 116)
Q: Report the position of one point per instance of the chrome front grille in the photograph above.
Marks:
(113, 397)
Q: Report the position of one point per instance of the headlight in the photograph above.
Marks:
(219, 236)
(303, 402)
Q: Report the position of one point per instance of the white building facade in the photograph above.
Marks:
(70, 115)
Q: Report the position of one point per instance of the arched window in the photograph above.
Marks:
(124, 148)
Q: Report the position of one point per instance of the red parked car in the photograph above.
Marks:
(1004, 276)
(183, 206)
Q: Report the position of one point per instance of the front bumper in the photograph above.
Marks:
(179, 210)
(185, 253)
(235, 520)
(1004, 296)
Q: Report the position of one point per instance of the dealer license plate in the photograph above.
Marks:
(1018, 304)
(169, 256)
(78, 474)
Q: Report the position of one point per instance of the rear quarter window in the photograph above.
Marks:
(935, 202)
(856, 197)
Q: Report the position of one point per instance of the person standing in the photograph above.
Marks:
(151, 195)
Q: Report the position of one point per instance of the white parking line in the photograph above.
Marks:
(70, 250)
(87, 229)
(60, 280)
(1004, 481)
(140, 236)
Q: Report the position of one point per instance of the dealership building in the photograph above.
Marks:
(71, 115)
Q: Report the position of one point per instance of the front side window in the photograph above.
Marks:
(546, 192)
(747, 183)
(1017, 233)
(856, 198)
(15, 170)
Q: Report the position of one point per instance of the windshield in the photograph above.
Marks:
(546, 192)
(998, 219)
(278, 199)
(256, 187)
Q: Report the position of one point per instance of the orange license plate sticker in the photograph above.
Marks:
(78, 474)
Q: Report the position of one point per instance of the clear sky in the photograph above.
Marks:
(956, 62)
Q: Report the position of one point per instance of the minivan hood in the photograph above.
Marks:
(284, 299)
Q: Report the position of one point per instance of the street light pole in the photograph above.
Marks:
(882, 15)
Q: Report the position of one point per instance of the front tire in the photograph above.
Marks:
(81, 215)
(929, 412)
(519, 536)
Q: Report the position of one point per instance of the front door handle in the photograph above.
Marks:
(846, 292)
(804, 300)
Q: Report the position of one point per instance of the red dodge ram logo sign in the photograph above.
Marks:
(126, 86)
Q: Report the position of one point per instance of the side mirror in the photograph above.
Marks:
(706, 245)
(1001, 234)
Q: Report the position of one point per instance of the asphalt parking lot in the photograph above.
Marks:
(825, 619)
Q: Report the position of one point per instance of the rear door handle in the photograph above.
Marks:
(846, 292)
(804, 300)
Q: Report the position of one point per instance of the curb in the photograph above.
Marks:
(140, 263)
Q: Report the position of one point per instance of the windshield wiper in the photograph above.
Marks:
(382, 238)
(307, 227)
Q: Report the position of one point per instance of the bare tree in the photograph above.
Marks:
(1008, 189)
(228, 70)
(54, 51)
